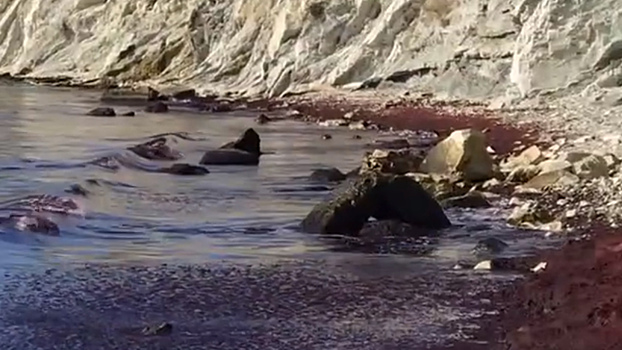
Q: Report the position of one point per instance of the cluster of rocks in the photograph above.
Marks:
(154, 101)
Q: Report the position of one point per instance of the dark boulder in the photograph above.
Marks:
(128, 114)
(156, 149)
(185, 94)
(382, 196)
(158, 107)
(327, 175)
(102, 112)
(249, 142)
(185, 169)
(229, 156)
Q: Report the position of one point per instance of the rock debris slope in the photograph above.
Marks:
(477, 49)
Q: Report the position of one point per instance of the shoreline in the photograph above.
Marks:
(517, 319)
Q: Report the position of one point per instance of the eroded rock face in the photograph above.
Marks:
(156, 149)
(464, 153)
(384, 197)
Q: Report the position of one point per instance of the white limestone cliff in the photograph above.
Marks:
(476, 49)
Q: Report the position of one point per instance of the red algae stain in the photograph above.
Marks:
(503, 138)
(576, 303)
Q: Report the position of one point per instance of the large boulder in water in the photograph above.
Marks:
(229, 157)
(382, 196)
(243, 151)
(156, 149)
(249, 142)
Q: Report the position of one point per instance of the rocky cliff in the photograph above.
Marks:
(477, 49)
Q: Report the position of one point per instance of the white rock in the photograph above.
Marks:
(483, 265)
(540, 267)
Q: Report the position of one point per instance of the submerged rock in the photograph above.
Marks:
(78, 190)
(229, 157)
(185, 169)
(102, 112)
(384, 197)
(327, 175)
(156, 149)
(464, 153)
(390, 228)
(128, 114)
(490, 245)
(158, 107)
(263, 119)
(32, 223)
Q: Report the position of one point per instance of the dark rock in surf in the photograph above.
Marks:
(327, 137)
(155, 95)
(128, 114)
(220, 107)
(382, 196)
(229, 156)
(249, 142)
(185, 169)
(78, 190)
(102, 112)
(263, 119)
(158, 107)
(327, 175)
(156, 149)
(33, 223)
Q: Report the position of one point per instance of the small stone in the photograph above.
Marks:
(348, 116)
(326, 137)
(483, 265)
(334, 123)
(357, 137)
(360, 125)
(473, 199)
(490, 245)
(571, 213)
(128, 114)
(161, 329)
(540, 267)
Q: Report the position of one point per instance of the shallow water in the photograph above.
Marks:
(235, 214)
